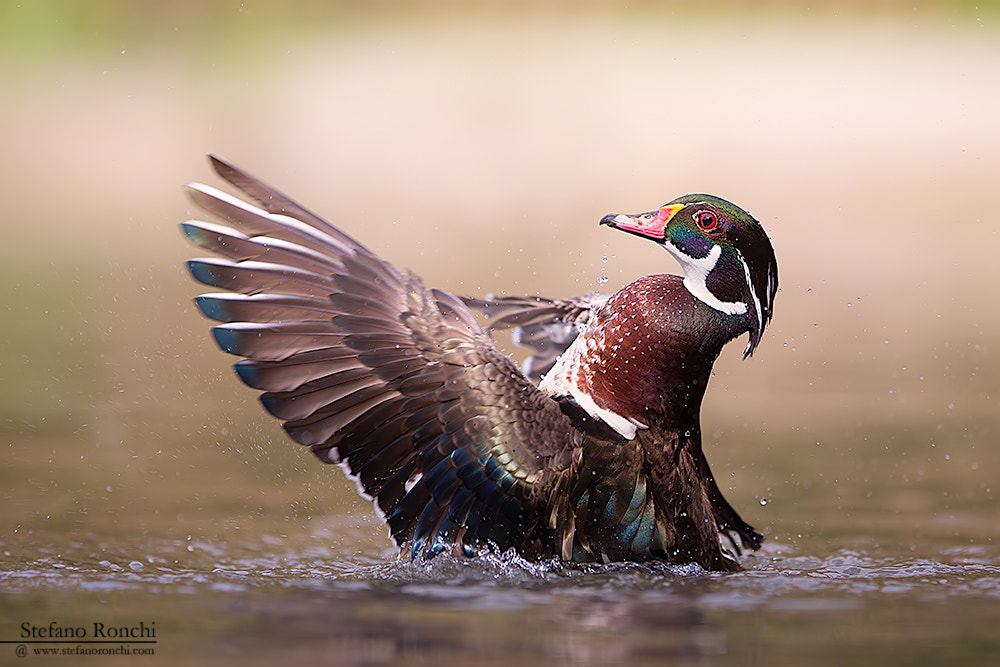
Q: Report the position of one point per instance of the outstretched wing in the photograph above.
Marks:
(547, 326)
(397, 383)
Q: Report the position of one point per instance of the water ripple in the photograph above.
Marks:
(508, 581)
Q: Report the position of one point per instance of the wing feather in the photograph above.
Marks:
(398, 383)
(547, 326)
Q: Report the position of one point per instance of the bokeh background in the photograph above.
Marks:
(479, 144)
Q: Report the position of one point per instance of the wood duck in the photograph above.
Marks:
(458, 448)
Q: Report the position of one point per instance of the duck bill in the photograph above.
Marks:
(650, 225)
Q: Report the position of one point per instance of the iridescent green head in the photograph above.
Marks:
(727, 258)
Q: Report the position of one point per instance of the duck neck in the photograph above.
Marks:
(656, 345)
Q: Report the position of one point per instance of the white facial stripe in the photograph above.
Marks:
(753, 292)
(756, 300)
(770, 288)
(696, 273)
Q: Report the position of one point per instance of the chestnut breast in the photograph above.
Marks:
(652, 347)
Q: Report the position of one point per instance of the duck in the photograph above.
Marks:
(588, 452)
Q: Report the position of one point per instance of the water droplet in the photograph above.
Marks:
(763, 501)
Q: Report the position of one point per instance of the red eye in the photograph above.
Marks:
(706, 220)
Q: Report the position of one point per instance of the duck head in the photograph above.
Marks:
(727, 259)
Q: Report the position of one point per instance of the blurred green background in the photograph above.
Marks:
(479, 144)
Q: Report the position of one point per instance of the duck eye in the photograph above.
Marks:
(706, 220)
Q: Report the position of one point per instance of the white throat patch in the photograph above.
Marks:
(696, 273)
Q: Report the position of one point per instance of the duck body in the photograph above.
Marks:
(642, 364)
(646, 355)
(459, 449)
